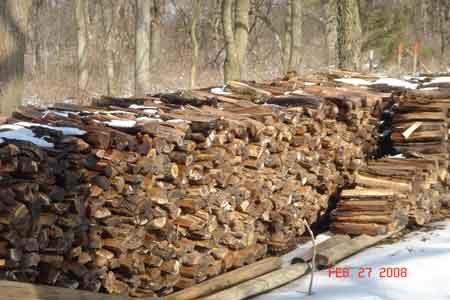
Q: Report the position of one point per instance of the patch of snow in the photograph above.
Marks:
(414, 78)
(400, 155)
(442, 79)
(151, 111)
(353, 81)
(135, 106)
(429, 89)
(113, 112)
(219, 91)
(175, 121)
(424, 254)
(146, 119)
(121, 123)
(394, 82)
(296, 92)
(19, 133)
(64, 130)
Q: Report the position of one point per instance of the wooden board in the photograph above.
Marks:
(12, 290)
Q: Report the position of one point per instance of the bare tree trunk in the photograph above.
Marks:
(110, 14)
(142, 40)
(331, 27)
(81, 19)
(287, 40)
(194, 67)
(13, 25)
(241, 32)
(349, 35)
(231, 65)
(296, 35)
(155, 35)
(444, 26)
(35, 37)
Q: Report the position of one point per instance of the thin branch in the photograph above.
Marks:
(313, 262)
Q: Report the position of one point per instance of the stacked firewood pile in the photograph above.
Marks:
(413, 184)
(143, 196)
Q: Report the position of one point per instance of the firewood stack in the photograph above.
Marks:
(144, 196)
(413, 183)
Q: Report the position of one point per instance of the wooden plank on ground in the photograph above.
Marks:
(13, 290)
(331, 242)
(330, 256)
(261, 284)
(227, 280)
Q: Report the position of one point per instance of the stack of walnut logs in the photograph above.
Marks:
(411, 184)
(163, 192)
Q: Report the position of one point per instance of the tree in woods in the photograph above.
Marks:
(235, 36)
(110, 13)
(331, 32)
(81, 15)
(288, 37)
(13, 26)
(295, 35)
(155, 35)
(195, 16)
(93, 46)
(142, 46)
(34, 33)
(349, 34)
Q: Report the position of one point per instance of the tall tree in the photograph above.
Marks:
(295, 35)
(331, 29)
(110, 13)
(155, 35)
(81, 14)
(142, 45)
(13, 25)
(235, 36)
(195, 16)
(241, 28)
(231, 68)
(349, 34)
(34, 33)
(286, 51)
(289, 37)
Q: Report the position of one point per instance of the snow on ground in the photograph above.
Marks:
(425, 255)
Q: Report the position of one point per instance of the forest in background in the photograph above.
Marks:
(84, 48)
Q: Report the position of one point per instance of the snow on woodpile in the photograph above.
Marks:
(22, 131)
(219, 91)
(353, 81)
(426, 83)
(394, 82)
